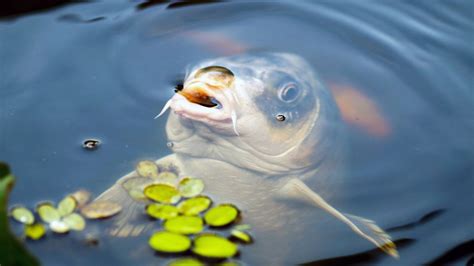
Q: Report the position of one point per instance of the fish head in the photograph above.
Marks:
(263, 112)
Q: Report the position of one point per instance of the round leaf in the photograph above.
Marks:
(161, 211)
(169, 242)
(147, 169)
(48, 213)
(221, 215)
(214, 246)
(22, 215)
(167, 178)
(163, 193)
(186, 262)
(35, 231)
(67, 206)
(241, 236)
(82, 197)
(184, 225)
(59, 226)
(100, 209)
(190, 187)
(194, 206)
(75, 222)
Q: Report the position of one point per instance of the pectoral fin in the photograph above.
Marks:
(296, 189)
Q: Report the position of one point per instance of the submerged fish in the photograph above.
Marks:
(258, 129)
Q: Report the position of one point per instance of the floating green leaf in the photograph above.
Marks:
(100, 209)
(59, 226)
(135, 186)
(161, 211)
(169, 242)
(190, 187)
(75, 222)
(184, 225)
(147, 169)
(47, 212)
(194, 206)
(35, 231)
(186, 262)
(221, 215)
(22, 215)
(214, 246)
(228, 263)
(167, 178)
(163, 193)
(241, 236)
(67, 206)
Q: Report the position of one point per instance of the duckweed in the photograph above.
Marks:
(75, 222)
(186, 262)
(100, 209)
(59, 226)
(23, 215)
(190, 187)
(167, 178)
(161, 211)
(162, 193)
(35, 231)
(48, 213)
(214, 246)
(194, 206)
(168, 242)
(67, 206)
(241, 236)
(221, 215)
(147, 169)
(184, 225)
(82, 197)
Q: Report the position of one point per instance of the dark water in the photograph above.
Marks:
(104, 69)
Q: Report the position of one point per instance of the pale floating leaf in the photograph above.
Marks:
(184, 225)
(48, 213)
(75, 222)
(22, 215)
(161, 211)
(168, 242)
(214, 246)
(167, 178)
(221, 215)
(190, 187)
(162, 193)
(35, 231)
(147, 169)
(82, 197)
(59, 226)
(100, 209)
(241, 236)
(67, 206)
(194, 206)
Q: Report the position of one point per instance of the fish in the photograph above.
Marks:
(261, 130)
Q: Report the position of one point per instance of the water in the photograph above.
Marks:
(104, 70)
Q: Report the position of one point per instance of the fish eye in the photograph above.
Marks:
(289, 93)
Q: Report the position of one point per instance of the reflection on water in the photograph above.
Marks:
(104, 69)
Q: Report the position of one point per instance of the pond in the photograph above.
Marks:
(401, 74)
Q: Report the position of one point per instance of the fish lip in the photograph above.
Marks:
(194, 111)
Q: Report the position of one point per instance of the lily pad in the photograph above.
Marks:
(184, 225)
(221, 215)
(67, 206)
(48, 213)
(214, 246)
(147, 169)
(22, 215)
(163, 193)
(75, 222)
(186, 262)
(59, 226)
(101, 209)
(190, 187)
(35, 231)
(161, 211)
(194, 206)
(242, 236)
(135, 186)
(82, 197)
(168, 242)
